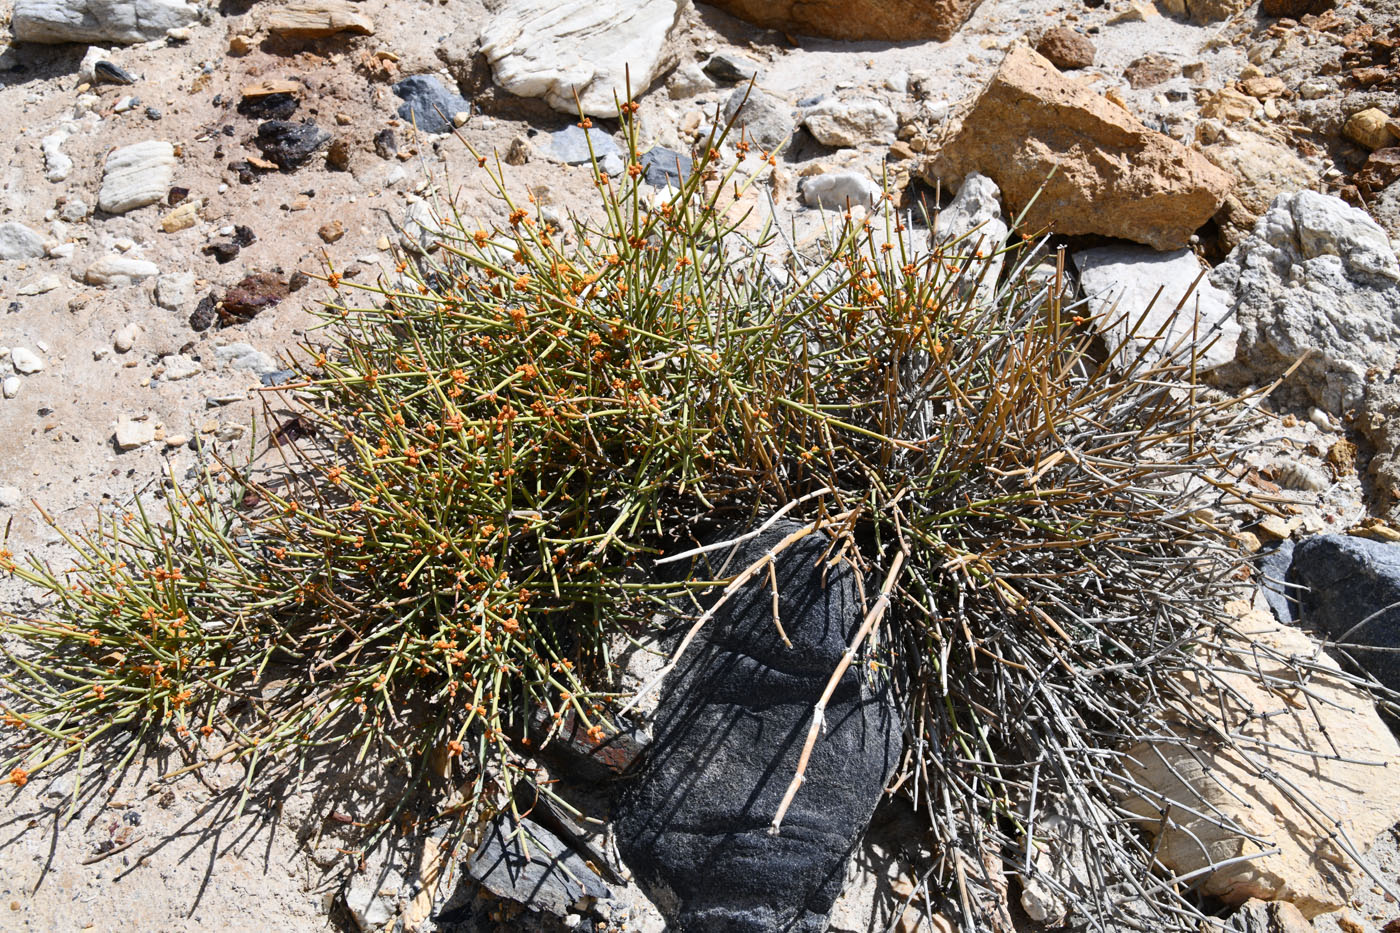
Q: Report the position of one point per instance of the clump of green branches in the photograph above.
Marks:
(492, 447)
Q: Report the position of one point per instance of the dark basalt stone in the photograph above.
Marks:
(1349, 581)
(290, 144)
(693, 826)
(429, 105)
(664, 167)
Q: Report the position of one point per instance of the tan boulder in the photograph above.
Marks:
(316, 19)
(1111, 174)
(887, 20)
(1308, 777)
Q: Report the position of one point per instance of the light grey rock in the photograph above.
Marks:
(10, 496)
(1316, 277)
(9, 387)
(243, 357)
(368, 901)
(1137, 293)
(19, 242)
(688, 80)
(123, 21)
(57, 166)
(132, 433)
(179, 366)
(835, 191)
(175, 290)
(555, 49)
(87, 68)
(126, 336)
(570, 145)
(972, 232)
(119, 271)
(25, 361)
(730, 68)
(764, 120)
(74, 210)
(846, 123)
(136, 175)
(39, 286)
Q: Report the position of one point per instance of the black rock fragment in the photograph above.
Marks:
(386, 145)
(104, 72)
(729, 730)
(205, 313)
(279, 106)
(525, 863)
(250, 296)
(290, 144)
(1353, 597)
(429, 105)
(664, 167)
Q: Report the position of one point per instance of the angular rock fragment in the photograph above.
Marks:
(316, 19)
(121, 21)
(136, 175)
(252, 295)
(290, 144)
(574, 146)
(525, 863)
(837, 191)
(1157, 304)
(846, 123)
(1262, 170)
(664, 167)
(694, 827)
(1352, 588)
(558, 48)
(760, 118)
(1111, 174)
(428, 105)
(897, 20)
(19, 242)
(1304, 782)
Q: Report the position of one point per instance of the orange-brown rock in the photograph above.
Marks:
(889, 20)
(1088, 165)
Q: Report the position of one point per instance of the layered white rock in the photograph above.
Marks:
(1158, 304)
(136, 175)
(99, 20)
(555, 49)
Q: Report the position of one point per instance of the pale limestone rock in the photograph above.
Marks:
(119, 271)
(131, 433)
(57, 166)
(1135, 293)
(123, 21)
(556, 48)
(25, 361)
(848, 123)
(179, 366)
(19, 242)
(1334, 758)
(136, 175)
(175, 290)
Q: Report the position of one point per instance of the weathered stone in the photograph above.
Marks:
(290, 144)
(179, 366)
(555, 49)
(1111, 174)
(252, 295)
(1150, 70)
(182, 217)
(1295, 9)
(694, 827)
(1137, 294)
(25, 361)
(1065, 49)
(316, 19)
(571, 145)
(972, 232)
(730, 68)
(836, 191)
(1258, 916)
(1352, 596)
(131, 433)
(119, 271)
(845, 123)
(1263, 87)
(1316, 281)
(136, 175)
(19, 242)
(57, 165)
(1379, 422)
(537, 870)
(123, 21)
(1309, 763)
(1229, 105)
(1206, 12)
(886, 20)
(1262, 170)
(664, 167)
(429, 105)
(760, 118)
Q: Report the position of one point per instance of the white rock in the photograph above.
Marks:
(122, 21)
(1135, 292)
(179, 366)
(119, 271)
(835, 190)
(1317, 277)
(242, 356)
(10, 497)
(74, 210)
(136, 175)
(972, 233)
(846, 123)
(39, 286)
(126, 336)
(131, 433)
(556, 48)
(9, 387)
(57, 166)
(175, 290)
(87, 68)
(25, 361)
(19, 242)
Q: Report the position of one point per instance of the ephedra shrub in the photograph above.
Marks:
(490, 448)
